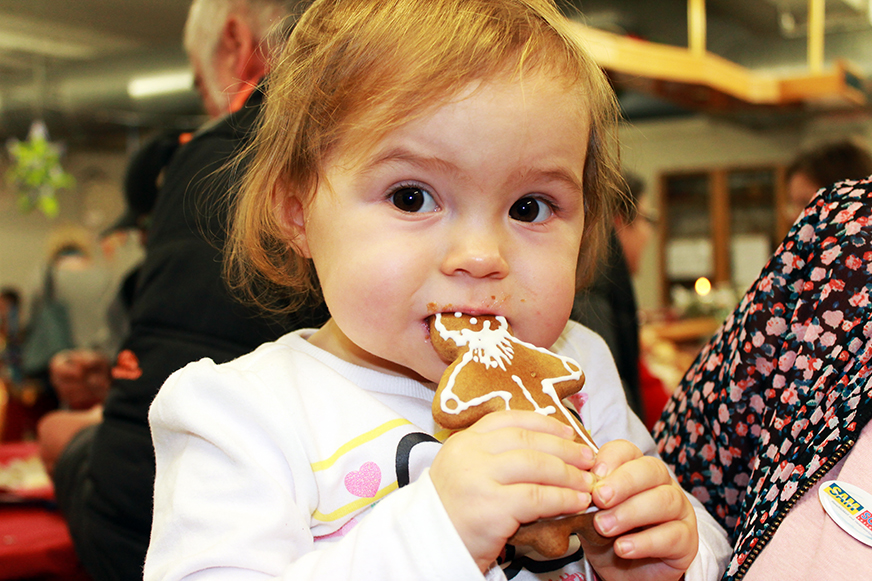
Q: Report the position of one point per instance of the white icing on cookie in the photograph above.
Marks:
(493, 347)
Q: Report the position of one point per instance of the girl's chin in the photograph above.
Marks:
(426, 376)
(429, 372)
(423, 374)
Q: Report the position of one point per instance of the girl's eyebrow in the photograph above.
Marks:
(402, 154)
(558, 174)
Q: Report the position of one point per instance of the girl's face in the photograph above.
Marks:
(476, 207)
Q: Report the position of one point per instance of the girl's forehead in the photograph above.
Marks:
(374, 120)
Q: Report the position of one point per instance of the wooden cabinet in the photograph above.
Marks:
(721, 223)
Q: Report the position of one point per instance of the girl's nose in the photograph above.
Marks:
(475, 253)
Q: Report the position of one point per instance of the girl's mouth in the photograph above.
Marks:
(450, 309)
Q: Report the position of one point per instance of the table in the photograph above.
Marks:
(34, 540)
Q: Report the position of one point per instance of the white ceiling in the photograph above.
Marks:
(68, 32)
(70, 60)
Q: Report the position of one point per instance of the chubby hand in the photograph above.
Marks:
(510, 468)
(646, 511)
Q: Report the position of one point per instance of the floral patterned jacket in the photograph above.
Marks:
(780, 394)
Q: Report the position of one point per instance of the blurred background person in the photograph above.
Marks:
(608, 304)
(182, 309)
(822, 165)
(10, 346)
(67, 312)
(81, 376)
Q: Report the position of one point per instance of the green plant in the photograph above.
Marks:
(36, 174)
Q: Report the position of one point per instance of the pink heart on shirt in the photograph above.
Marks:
(364, 482)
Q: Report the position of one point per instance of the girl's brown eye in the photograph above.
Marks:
(413, 199)
(530, 209)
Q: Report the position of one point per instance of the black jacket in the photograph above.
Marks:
(181, 312)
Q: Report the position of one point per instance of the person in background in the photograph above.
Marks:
(86, 281)
(142, 182)
(10, 336)
(65, 313)
(182, 310)
(824, 165)
(608, 304)
(81, 376)
(779, 400)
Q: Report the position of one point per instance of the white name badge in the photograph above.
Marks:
(850, 507)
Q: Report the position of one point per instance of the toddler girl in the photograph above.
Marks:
(415, 157)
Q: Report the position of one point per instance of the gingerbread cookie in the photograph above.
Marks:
(491, 370)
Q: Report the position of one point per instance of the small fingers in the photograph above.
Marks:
(510, 431)
(629, 479)
(532, 502)
(525, 420)
(544, 468)
(652, 507)
(613, 455)
(674, 543)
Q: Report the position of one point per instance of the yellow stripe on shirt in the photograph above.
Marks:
(361, 439)
(353, 506)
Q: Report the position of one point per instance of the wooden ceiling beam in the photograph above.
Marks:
(631, 57)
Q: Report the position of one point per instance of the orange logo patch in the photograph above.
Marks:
(127, 366)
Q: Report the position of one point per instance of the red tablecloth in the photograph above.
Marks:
(34, 540)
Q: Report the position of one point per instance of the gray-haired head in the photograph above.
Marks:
(267, 21)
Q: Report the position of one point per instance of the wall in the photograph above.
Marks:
(653, 147)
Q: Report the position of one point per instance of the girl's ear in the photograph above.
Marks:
(291, 219)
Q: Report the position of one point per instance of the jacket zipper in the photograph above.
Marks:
(800, 492)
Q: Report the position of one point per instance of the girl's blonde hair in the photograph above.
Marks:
(354, 70)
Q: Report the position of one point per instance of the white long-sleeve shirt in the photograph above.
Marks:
(291, 463)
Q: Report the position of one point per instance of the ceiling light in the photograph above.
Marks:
(174, 82)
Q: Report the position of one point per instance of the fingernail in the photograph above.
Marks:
(625, 547)
(585, 498)
(600, 470)
(605, 493)
(605, 522)
(587, 453)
